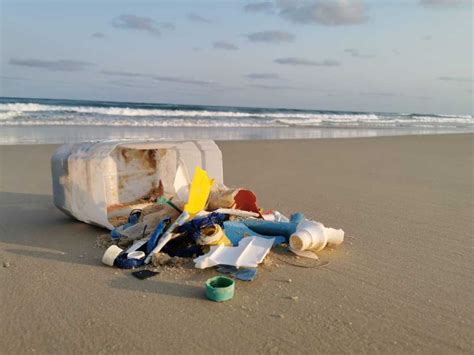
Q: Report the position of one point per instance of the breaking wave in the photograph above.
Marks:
(15, 112)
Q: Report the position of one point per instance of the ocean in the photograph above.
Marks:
(24, 120)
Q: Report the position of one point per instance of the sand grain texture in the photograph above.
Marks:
(401, 282)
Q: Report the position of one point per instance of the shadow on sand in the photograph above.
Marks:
(30, 220)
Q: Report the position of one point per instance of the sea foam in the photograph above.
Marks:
(70, 113)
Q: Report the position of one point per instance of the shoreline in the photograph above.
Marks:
(10, 135)
(398, 284)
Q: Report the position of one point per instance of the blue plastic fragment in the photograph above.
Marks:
(133, 219)
(278, 240)
(246, 274)
(115, 233)
(235, 231)
(182, 251)
(297, 218)
(123, 263)
(157, 233)
(226, 269)
(272, 228)
(243, 274)
(193, 227)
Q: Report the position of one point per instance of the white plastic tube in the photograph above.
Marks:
(314, 236)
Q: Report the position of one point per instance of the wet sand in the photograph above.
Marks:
(401, 282)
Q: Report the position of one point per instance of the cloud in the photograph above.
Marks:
(7, 77)
(306, 62)
(265, 6)
(198, 18)
(138, 23)
(382, 93)
(129, 84)
(171, 79)
(167, 26)
(428, 37)
(53, 65)
(459, 79)
(273, 87)
(180, 80)
(262, 76)
(441, 3)
(227, 46)
(97, 35)
(271, 37)
(323, 12)
(356, 54)
(124, 73)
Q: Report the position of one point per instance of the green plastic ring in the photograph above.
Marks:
(220, 288)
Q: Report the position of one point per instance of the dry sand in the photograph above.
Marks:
(401, 282)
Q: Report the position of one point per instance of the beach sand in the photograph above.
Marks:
(400, 283)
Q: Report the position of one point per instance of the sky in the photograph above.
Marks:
(379, 55)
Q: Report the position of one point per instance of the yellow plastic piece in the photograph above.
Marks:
(214, 235)
(199, 192)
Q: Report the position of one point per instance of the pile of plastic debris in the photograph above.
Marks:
(216, 227)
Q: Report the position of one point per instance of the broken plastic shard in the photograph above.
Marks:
(249, 253)
(275, 216)
(133, 219)
(144, 274)
(123, 262)
(235, 231)
(166, 237)
(247, 201)
(159, 230)
(238, 213)
(163, 200)
(193, 227)
(199, 192)
(246, 274)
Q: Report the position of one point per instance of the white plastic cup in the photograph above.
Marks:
(111, 254)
